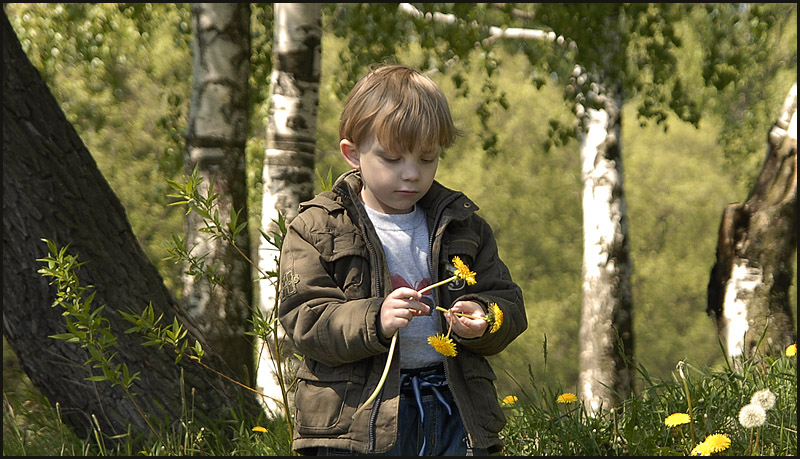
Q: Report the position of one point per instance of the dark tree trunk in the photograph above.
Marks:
(748, 293)
(53, 189)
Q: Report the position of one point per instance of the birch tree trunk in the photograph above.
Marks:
(289, 160)
(606, 335)
(215, 145)
(748, 292)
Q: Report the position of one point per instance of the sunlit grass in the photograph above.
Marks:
(542, 421)
(541, 424)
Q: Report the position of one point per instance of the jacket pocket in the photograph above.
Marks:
(348, 263)
(327, 397)
(480, 380)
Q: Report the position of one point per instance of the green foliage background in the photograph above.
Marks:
(122, 73)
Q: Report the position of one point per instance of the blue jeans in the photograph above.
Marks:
(441, 432)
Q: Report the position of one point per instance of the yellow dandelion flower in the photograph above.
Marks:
(495, 317)
(259, 429)
(700, 450)
(443, 345)
(676, 419)
(463, 271)
(567, 397)
(510, 400)
(717, 442)
(791, 351)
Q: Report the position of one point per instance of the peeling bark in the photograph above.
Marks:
(748, 291)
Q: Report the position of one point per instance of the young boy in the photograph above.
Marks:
(352, 265)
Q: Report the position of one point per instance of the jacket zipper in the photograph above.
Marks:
(376, 292)
(373, 418)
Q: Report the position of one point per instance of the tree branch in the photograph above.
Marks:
(495, 33)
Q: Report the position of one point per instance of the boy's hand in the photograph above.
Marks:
(399, 308)
(466, 327)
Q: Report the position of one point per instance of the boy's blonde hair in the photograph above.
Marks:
(404, 109)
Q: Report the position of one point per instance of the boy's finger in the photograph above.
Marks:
(418, 308)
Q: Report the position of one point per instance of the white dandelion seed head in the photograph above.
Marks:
(752, 415)
(765, 398)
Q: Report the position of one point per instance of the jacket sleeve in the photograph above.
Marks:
(315, 312)
(494, 285)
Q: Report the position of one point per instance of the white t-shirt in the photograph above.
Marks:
(406, 244)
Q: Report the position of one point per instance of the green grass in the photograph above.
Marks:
(538, 425)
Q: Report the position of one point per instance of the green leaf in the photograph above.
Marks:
(69, 337)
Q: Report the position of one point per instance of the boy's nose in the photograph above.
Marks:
(410, 171)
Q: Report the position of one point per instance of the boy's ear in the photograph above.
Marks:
(350, 153)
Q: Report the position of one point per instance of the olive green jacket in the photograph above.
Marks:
(334, 278)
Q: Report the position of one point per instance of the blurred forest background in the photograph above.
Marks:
(122, 73)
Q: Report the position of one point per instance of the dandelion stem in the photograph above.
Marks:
(758, 436)
(383, 376)
(439, 308)
(378, 388)
(688, 401)
(438, 284)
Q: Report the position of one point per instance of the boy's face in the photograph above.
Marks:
(393, 182)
